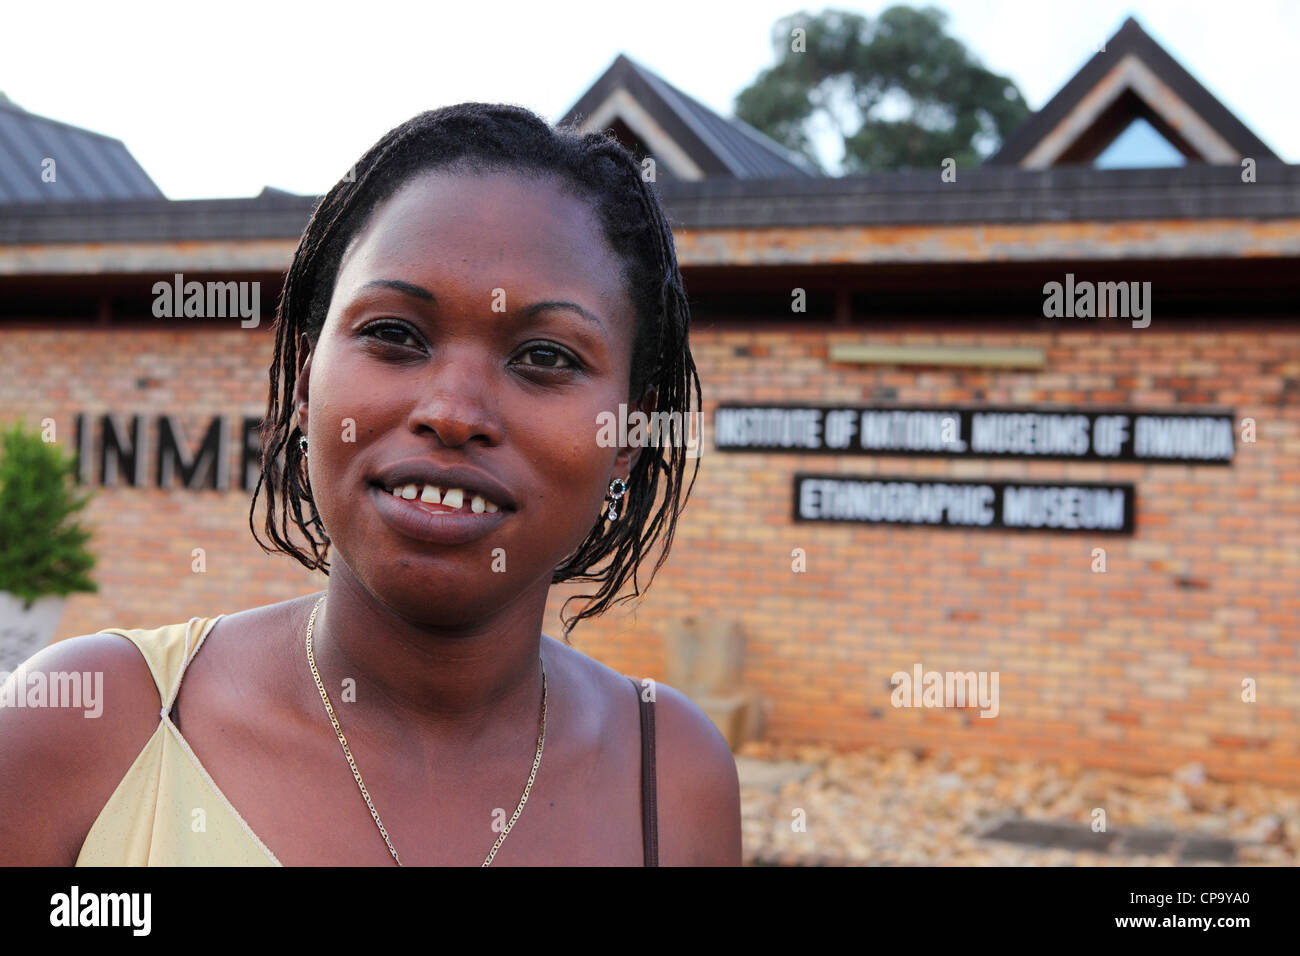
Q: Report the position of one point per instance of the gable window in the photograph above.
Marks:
(1140, 145)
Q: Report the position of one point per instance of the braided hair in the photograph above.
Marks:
(483, 137)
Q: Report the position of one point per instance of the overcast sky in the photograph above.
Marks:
(247, 94)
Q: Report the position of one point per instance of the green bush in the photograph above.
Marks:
(41, 552)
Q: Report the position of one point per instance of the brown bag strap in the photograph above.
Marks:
(649, 807)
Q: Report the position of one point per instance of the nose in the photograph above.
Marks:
(459, 397)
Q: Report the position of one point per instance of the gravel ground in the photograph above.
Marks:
(893, 807)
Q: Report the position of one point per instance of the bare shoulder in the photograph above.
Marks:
(697, 784)
(604, 700)
(74, 718)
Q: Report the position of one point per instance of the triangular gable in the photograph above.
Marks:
(1132, 77)
(687, 139)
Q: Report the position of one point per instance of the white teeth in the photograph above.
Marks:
(452, 498)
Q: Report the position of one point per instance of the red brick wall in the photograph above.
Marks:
(145, 537)
(1130, 668)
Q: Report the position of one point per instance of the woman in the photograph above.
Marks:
(458, 314)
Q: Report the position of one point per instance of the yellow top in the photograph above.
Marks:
(167, 811)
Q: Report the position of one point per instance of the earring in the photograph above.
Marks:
(617, 489)
(302, 444)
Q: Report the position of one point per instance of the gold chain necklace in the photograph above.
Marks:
(541, 739)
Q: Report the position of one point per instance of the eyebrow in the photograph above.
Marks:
(416, 291)
(536, 307)
(420, 292)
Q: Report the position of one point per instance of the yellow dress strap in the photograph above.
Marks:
(168, 650)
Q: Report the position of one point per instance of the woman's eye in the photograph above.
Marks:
(373, 331)
(546, 356)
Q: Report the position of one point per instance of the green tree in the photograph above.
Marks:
(853, 71)
(42, 551)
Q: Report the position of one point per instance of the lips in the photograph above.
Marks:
(422, 472)
(443, 499)
(435, 524)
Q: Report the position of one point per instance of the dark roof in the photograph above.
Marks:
(986, 195)
(999, 195)
(268, 216)
(87, 165)
(719, 146)
(1131, 38)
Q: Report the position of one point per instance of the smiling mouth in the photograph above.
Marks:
(436, 500)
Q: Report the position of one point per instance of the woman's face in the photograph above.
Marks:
(478, 323)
